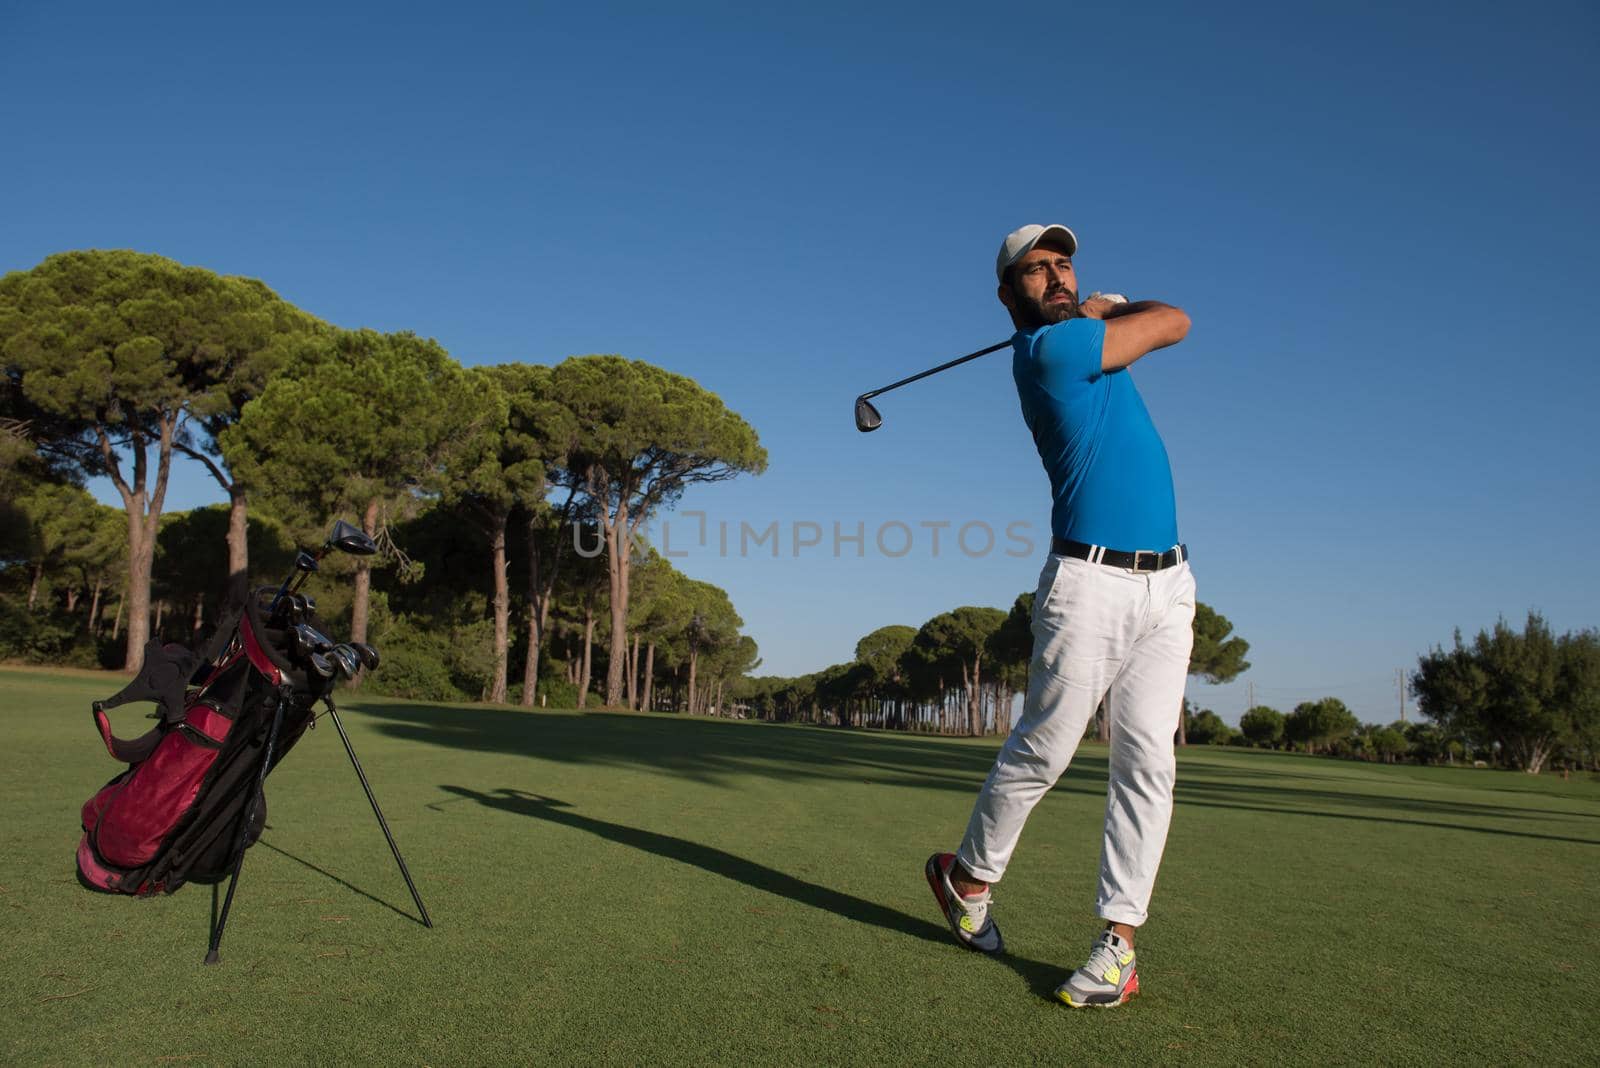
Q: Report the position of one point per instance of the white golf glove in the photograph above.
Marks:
(1115, 298)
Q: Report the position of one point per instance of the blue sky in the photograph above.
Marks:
(1379, 221)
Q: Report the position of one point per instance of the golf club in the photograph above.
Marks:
(368, 655)
(304, 564)
(345, 657)
(311, 640)
(345, 537)
(867, 417)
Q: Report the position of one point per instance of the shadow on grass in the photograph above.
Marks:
(719, 752)
(1363, 799)
(706, 750)
(1186, 795)
(348, 886)
(1041, 978)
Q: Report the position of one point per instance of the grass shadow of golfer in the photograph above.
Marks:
(1041, 978)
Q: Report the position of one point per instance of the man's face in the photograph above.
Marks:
(1043, 287)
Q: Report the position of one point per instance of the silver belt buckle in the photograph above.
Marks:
(1137, 553)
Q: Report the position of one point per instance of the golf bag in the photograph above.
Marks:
(174, 815)
(194, 796)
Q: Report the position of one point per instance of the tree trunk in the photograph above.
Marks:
(73, 593)
(238, 584)
(161, 610)
(633, 674)
(530, 670)
(588, 647)
(144, 519)
(617, 561)
(360, 607)
(694, 656)
(33, 586)
(140, 551)
(94, 606)
(238, 547)
(1183, 727)
(649, 676)
(116, 622)
(199, 612)
(719, 698)
(502, 611)
(1102, 722)
(975, 697)
(540, 586)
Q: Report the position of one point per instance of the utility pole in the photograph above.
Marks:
(1252, 703)
(1400, 684)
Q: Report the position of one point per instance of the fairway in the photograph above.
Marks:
(641, 889)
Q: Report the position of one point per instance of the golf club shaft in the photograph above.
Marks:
(296, 579)
(936, 370)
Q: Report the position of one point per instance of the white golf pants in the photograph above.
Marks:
(1098, 632)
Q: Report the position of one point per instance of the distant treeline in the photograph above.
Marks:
(958, 673)
(1511, 700)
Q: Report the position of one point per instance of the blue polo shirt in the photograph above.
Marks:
(1109, 474)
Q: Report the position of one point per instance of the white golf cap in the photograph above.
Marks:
(1019, 242)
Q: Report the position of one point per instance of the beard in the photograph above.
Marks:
(1035, 314)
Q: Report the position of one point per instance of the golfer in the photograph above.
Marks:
(1113, 613)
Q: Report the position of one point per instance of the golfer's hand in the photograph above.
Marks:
(1099, 303)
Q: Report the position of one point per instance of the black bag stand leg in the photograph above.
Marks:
(244, 825)
(376, 811)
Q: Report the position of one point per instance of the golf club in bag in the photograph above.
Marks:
(193, 798)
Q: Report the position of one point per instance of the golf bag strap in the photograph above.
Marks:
(129, 752)
(221, 636)
(253, 628)
(163, 678)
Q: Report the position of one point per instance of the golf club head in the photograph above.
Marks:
(867, 417)
(309, 603)
(312, 639)
(322, 666)
(368, 655)
(349, 663)
(305, 562)
(351, 539)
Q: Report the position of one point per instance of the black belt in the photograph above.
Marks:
(1143, 560)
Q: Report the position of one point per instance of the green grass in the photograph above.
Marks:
(629, 889)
